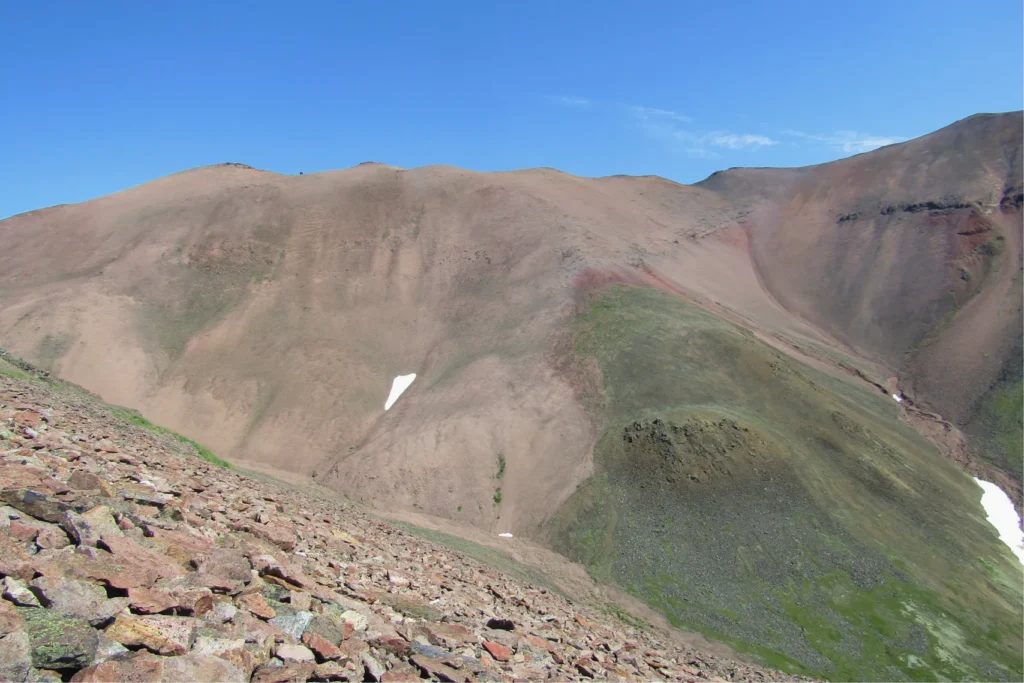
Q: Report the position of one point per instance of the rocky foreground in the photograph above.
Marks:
(124, 556)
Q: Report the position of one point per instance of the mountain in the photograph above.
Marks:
(911, 255)
(129, 558)
(685, 388)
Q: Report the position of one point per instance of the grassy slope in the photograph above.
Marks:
(998, 425)
(779, 509)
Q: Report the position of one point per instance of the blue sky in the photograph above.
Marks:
(99, 96)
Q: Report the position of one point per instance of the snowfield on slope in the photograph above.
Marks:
(398, 387)
(1003, 516)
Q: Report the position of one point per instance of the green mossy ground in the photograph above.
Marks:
(136, 418)
(781, 510)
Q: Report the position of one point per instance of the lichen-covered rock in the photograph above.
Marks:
(78, 598)
(59, 641)
(160, 634)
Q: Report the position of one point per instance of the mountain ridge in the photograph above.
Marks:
(267, 315)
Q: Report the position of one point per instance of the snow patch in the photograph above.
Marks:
(398, 387)
(506, 535)
(1003, 516)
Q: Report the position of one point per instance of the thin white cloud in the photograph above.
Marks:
(571, 101)
(655, 114)
(849, 141)
(667, 125)
(734, 141)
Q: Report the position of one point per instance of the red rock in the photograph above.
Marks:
(106, 446)
(126, 550)
(336, 671)
(278, 534)
(155, 600)
(582, 622)
(10, 620)
(403, 673)
(257, 604)
(15, 476)
(101, 566)
(324, 649)
(23, 532)
(52, 537)
(290, 673)
(537, 642)
(146, 668)
(497, 650)
(395, 646)
(80, 480)
(28, 418)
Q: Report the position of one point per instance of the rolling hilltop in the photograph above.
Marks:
(687, 389)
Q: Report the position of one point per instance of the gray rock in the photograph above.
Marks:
(17, 592)
(87, 528)
(328, 627)
(35, 504)
(107, 648)
(43, 676)
(294, 653)
(358, 621)
(15, 657)
(206, 645)
(222, 612)
(374, 669)
(79, 598)
(429, 650)
(293, 624)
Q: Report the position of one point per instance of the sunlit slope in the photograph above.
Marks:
(767, 504)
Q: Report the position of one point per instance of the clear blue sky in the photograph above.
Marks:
(99, 96)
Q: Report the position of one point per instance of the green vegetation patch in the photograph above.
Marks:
(779, 509)
(998, 424)
(136, 418)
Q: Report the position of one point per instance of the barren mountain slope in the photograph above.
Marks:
(267, 315)
(912, 255)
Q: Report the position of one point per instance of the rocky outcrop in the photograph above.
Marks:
(123, 558)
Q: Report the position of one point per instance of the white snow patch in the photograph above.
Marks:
(398, 387)
(506, 535)
(899, 399)
(1003, 516)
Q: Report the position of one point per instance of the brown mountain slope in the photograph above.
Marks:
(266, 315)
(910, 254)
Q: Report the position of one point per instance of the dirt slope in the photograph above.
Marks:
(266, 315)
